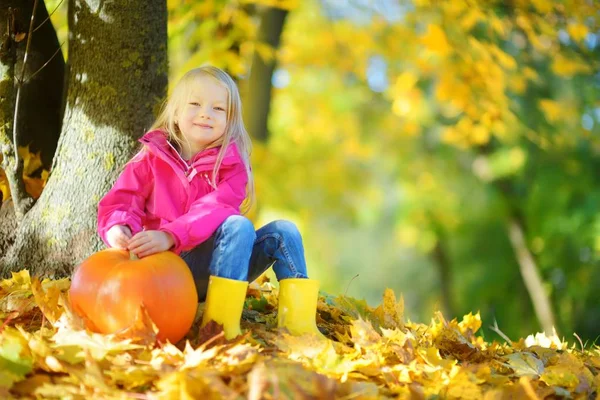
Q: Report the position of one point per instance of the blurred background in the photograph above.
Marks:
(449, 150)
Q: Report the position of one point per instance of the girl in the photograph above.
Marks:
(183, 192)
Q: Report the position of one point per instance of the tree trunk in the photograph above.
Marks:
(117, 72)
(531, 277)
(256, 112)
(8, 225)
(440, 256)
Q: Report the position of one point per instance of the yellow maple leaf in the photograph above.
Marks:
(431, 356)
(47, 301)
(32, 162)
(19, 281)
(390, 312)
(470, 324)
(560, 375)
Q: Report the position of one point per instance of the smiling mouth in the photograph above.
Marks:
(203, 126)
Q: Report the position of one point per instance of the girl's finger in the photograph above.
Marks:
(144, 249)
(149, 252)
(137, 241)
(145, 254)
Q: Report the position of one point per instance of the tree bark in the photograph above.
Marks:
(117, 73)
(8, 225)
(256, 112)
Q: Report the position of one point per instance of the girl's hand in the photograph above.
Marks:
(149, 242)
(118, 236)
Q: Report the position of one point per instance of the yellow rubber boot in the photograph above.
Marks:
(224, 304)
(298, 306)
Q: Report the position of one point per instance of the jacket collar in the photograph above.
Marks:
(157, 142)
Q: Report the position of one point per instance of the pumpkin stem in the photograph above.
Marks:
(132, 256)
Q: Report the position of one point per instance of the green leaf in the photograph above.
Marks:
(14, 365)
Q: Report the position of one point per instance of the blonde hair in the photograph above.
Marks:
(235, 131)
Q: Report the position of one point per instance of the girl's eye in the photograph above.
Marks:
(219, 108)
(195, 104)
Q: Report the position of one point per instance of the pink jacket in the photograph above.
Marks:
(159, 190)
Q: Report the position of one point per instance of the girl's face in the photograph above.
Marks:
(202, 120)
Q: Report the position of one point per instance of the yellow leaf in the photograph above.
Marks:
(577, 31)
(498, 26)
(389, 312)
(463, 386)
(470, 324)
(4, 186)
(431, 356)
(517, 84)
(567, 67)
(480, 135)
(552, 110)
(560, 375)
(363, 333)
(472, 17)
(504, 59)
(265, 51)
(31, 161)
(435, 40)
(543, 6)
(401, 106)
(19, 281)
(46, 301)
(404, 83)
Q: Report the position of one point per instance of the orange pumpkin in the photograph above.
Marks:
(109, 288)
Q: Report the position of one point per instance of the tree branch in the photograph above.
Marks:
(49, 15)
(531, 277)
(46, 63)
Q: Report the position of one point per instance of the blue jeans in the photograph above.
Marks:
(237, 251)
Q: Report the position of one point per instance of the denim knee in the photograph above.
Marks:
(240, 227)
(288, 230)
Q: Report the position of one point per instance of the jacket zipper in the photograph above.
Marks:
(190, 171)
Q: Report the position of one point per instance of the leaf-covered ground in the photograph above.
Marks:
(373, 354)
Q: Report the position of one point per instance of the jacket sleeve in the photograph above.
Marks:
(124, 203)
(208, 212)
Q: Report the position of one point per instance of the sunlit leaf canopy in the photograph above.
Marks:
(404, 136)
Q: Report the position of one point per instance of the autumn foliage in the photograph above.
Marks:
(373, 353)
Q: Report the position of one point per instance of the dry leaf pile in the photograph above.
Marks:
(373, 354)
